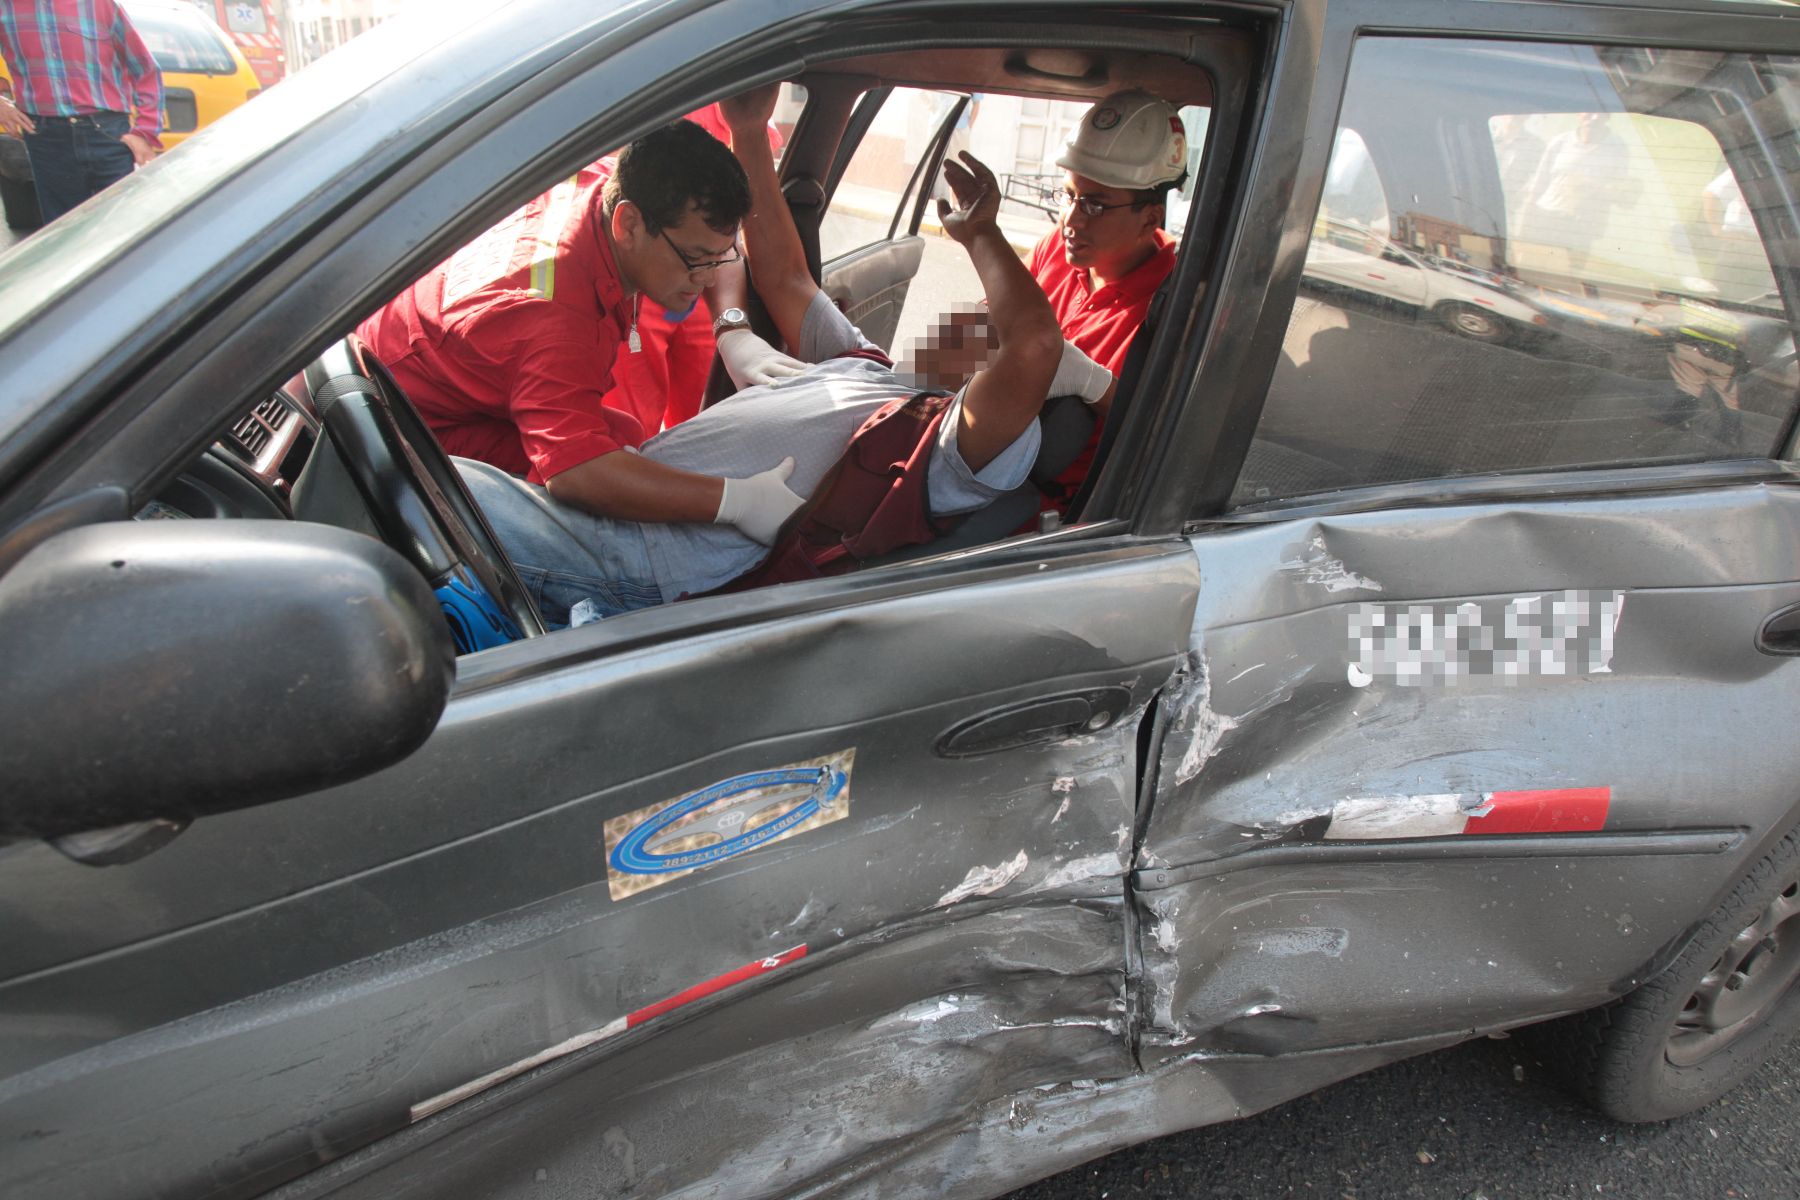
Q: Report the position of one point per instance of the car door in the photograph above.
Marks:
(883, 174)
(1482, 710)
(849, 851)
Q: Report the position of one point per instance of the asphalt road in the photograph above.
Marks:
(1478, 1122)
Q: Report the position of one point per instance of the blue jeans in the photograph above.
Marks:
(563, 555)
(74, 157)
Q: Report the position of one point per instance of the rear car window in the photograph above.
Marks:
(1538, 257)
(184, 44)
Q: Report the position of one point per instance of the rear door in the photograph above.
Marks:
(1476, 721)
(886, 175)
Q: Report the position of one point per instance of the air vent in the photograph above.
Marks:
(274, 413)
(252, 434)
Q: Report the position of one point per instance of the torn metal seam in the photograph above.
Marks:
(613, 1028)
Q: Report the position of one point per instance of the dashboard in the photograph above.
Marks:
(249, 471)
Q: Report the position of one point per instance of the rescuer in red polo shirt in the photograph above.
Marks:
(1108, 253)
(507, 349)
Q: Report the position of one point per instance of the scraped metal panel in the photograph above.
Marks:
(847, 1061)
(1301, 720)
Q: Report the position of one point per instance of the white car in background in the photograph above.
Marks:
(1347, 255)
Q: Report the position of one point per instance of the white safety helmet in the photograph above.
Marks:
(1129, 140)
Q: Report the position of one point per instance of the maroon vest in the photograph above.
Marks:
(872, 501)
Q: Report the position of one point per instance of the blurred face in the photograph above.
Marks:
(673, 265)
(1112, 242)
(957, 344)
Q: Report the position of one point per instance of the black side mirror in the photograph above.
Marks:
(172, 669)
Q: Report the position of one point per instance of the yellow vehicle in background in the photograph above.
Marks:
(204, 77)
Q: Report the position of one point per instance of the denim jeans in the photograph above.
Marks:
(74, 157)
(563, 555)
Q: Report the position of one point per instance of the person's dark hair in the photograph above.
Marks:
(1145, 197)
(680, 164)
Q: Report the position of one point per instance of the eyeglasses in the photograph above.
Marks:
(702, 264)
(1088, 205)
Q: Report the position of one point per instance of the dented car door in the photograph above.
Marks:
(1480, 694)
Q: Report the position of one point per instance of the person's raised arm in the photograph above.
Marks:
(771, 241)
(1004, 398)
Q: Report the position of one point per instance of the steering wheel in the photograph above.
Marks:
(418, 502)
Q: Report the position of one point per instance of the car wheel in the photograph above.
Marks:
(1473, 322)
(19, 197)
(1697, 1030)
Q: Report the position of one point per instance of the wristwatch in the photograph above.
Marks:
(731, 318)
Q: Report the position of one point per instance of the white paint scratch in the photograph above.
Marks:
(1364, 818)
(982, 881)
(1064, 785)
(1314, 564)
(1061, 809)
(1206, 728)
(1094, 866)
(1246, 671)
(1291, 943)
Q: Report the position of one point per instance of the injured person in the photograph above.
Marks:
(869, 456)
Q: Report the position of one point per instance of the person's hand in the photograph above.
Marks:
(977, 195)
(141, 149)
(749, 112)
(759, 505)
(749, 360)
(14, 121)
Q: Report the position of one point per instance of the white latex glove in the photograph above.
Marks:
(760, 504)
(749, 360)
(1079, 375)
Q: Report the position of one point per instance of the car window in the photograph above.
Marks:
(180, 42)
(874, 192)
(1516, 265)
(245, 16)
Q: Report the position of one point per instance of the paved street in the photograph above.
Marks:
(1477, 1122)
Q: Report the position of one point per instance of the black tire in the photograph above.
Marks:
(1697, 1030)
(1472, 322)
(19, 198)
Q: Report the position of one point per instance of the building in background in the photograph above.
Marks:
(314, 28)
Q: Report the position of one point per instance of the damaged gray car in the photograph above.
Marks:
(1387, 685)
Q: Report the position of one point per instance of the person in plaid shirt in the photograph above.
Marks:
(89, 96)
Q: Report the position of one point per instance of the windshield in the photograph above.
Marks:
(183, 43)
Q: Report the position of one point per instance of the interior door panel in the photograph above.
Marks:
(870, 285)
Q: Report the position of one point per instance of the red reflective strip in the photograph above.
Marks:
(1556, 810)
(718, 984)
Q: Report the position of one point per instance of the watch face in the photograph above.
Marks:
(734, 316)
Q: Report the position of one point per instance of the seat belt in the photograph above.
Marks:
(1129, 374)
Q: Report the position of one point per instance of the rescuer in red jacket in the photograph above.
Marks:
(507, 349)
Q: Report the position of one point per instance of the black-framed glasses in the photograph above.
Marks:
(704, 264)
(1089, 206)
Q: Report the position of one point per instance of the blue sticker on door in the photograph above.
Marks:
(651, 846)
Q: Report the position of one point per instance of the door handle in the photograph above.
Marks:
(1780, 634)
(1049, 719)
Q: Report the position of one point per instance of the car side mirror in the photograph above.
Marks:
(173, 669)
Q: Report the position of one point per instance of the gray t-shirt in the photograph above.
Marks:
(812, 418)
